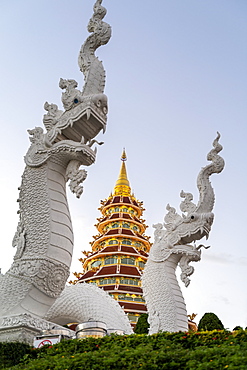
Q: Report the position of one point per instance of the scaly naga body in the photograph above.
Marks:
(165, 303)
(44, 237)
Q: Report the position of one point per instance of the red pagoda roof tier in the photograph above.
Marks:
(128, 232)
(126, 200)
(109, 287)
(111, 249)
(116, 200)
(114, 215)
(129, 270)
(130, 288)
(107, 270)
(125, 215)
(127, 249)
(119, 249)
(143, 253)
(133, 306)
(87, 275)
(124, 288)
(113, 232)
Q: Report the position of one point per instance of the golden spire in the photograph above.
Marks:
(122, 186)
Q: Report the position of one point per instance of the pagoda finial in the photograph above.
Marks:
(124, 156)
(122, 186)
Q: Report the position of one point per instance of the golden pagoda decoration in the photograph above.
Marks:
(120, 250)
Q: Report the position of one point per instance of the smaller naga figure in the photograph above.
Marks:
(172, 246)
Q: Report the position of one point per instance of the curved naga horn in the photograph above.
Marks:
(206, 201)
(165, 303)
(89, 64)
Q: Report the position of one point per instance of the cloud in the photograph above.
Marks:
(217, 258)
(242, 261)
(221, 299)
(226, 259)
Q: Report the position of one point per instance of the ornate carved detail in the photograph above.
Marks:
(206, 201)
(12, 290)
(187, 205)
(24, 327)
(76, 177)
(26, 320)
(71, 96)
(159, 232)
(171, 218)
(186, 269)
(52, 278)
(34, 202)
(33, 157)
(89, 64)
(19, 240)
(39, 152)
(101, 102)
(154, 322)
(36, 136)
(191, 317)
(51, 118)
(46, 275)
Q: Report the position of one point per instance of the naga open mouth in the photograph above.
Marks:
(84, 119)
(198, 230)
(80, 125)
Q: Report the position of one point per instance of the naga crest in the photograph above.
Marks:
(196, 220)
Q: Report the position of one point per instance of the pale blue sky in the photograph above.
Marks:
(176, 74)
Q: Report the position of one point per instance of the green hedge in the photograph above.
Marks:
(12, 353)
(187, 351)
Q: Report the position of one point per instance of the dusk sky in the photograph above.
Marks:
(176, 74)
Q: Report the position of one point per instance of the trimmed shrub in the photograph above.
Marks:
(142, 324)
(210, 321)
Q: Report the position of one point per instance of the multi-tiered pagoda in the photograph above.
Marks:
(120, 250)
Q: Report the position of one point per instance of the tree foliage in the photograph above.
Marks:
(210, 321)
(237, 328)
(142, 324)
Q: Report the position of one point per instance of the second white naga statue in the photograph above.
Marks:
(165, 303)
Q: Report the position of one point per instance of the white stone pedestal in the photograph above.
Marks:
(23, 328)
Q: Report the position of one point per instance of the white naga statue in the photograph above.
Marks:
(44, 236)
(165, 303)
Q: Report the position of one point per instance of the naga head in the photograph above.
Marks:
(196, 220)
